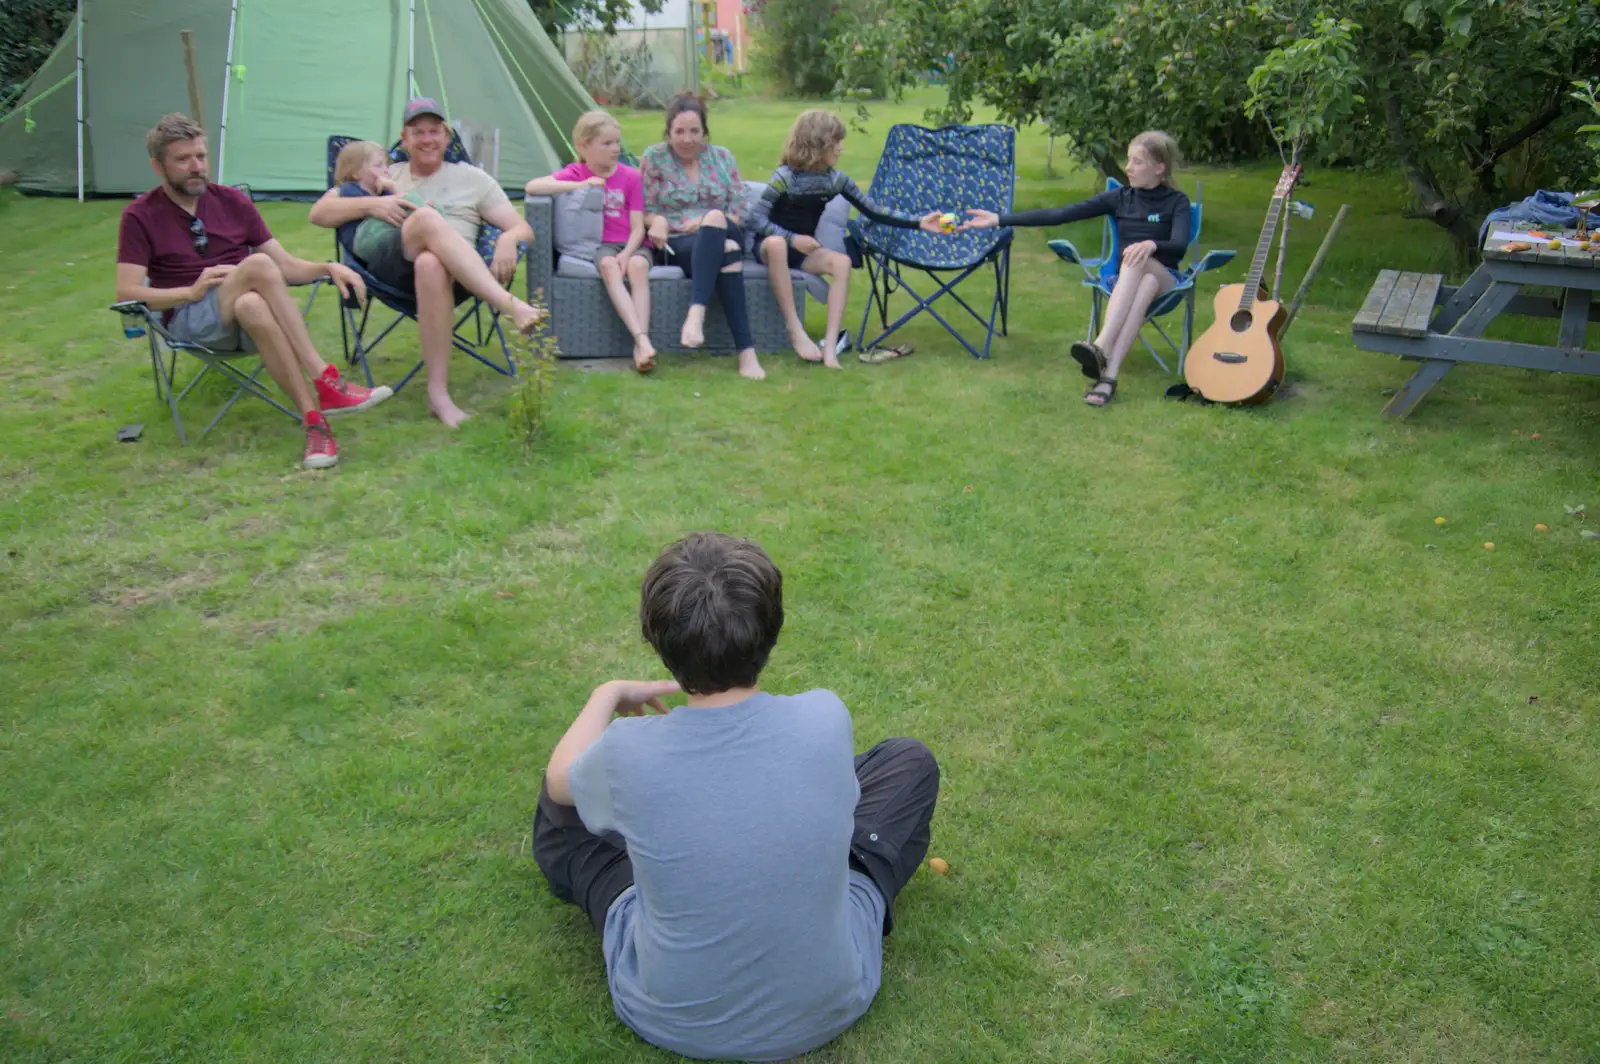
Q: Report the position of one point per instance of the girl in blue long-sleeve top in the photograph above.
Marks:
(1153, 227)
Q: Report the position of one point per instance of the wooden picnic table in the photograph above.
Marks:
(1398, 316)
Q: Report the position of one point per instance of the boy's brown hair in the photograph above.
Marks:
(353, 157)
(171, 129)
(1162, 149)
(712, 606)
(811, 137)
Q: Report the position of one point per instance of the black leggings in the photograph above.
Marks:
(702, 256)
(899, 785)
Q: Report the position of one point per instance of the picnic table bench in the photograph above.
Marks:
(1399, 316)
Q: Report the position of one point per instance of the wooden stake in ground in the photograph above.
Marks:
(1283, 247)
(1316, 264)
(195, 112)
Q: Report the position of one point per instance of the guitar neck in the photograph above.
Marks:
(1258, 265)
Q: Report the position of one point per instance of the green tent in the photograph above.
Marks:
(276, 78)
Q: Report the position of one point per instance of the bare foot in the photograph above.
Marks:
(803, 346)
(693, 334)
(750, 366)
(829, 358)
(644, 354)
(447, 411)
(527, 317)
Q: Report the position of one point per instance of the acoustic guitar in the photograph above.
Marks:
(1238, 359)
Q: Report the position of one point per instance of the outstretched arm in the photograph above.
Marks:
(1093, 207)
(875, 210)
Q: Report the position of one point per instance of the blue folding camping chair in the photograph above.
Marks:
(951, 168)
(241, 369)
(1100, 277)
(353, 318)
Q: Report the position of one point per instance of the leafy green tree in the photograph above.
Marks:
(28, 30)
(601, 15)
(1470, 100)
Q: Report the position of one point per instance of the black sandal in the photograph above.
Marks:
(1090, 359)
(1091, 395)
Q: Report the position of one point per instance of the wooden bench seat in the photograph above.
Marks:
(1399, 304)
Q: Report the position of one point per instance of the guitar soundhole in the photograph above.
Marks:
(1240, 322)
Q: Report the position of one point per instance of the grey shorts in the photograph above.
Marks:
(611, 251)
(201, 323)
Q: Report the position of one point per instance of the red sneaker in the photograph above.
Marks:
(322, 450)
(338, 396)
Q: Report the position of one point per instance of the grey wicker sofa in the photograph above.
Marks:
(586, 326)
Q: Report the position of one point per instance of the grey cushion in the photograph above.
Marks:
(573, 266)
(830, 230)
(579, 223)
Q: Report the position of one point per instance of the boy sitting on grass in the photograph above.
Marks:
(739, 863)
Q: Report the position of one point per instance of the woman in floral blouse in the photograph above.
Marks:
(693, 193)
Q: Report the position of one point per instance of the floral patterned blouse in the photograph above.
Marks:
(669, 192)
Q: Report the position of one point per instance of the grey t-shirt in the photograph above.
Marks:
(746, 936)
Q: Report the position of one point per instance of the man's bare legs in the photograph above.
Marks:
(426, 230)
(436, 308)
(260, 276)
(836, 268)
(252, 314)
(775, 253)
(644, 353)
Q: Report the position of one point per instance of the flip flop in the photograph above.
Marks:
(879, 355)
(1090, 359)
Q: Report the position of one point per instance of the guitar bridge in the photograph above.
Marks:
(1232, 358)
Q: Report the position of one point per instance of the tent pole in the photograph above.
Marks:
(227, 76)
(80, 101)
(411, 51)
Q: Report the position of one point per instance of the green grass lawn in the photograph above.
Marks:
(1245, 758)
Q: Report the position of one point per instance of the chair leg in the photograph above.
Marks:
(1188, 329)
(1005, 298)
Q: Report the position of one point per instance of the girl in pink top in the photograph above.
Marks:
(598, 141)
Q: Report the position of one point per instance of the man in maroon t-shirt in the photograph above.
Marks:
(202, 253)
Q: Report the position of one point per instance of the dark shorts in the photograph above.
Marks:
(389, 265)
(899, 781)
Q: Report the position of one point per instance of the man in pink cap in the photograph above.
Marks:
(460, 199)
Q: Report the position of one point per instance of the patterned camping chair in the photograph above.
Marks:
(1100, 277)
(473, 329)
(948, 169)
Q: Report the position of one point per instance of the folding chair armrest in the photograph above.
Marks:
(1212, 260)
(131, 308)
(1067, 251)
